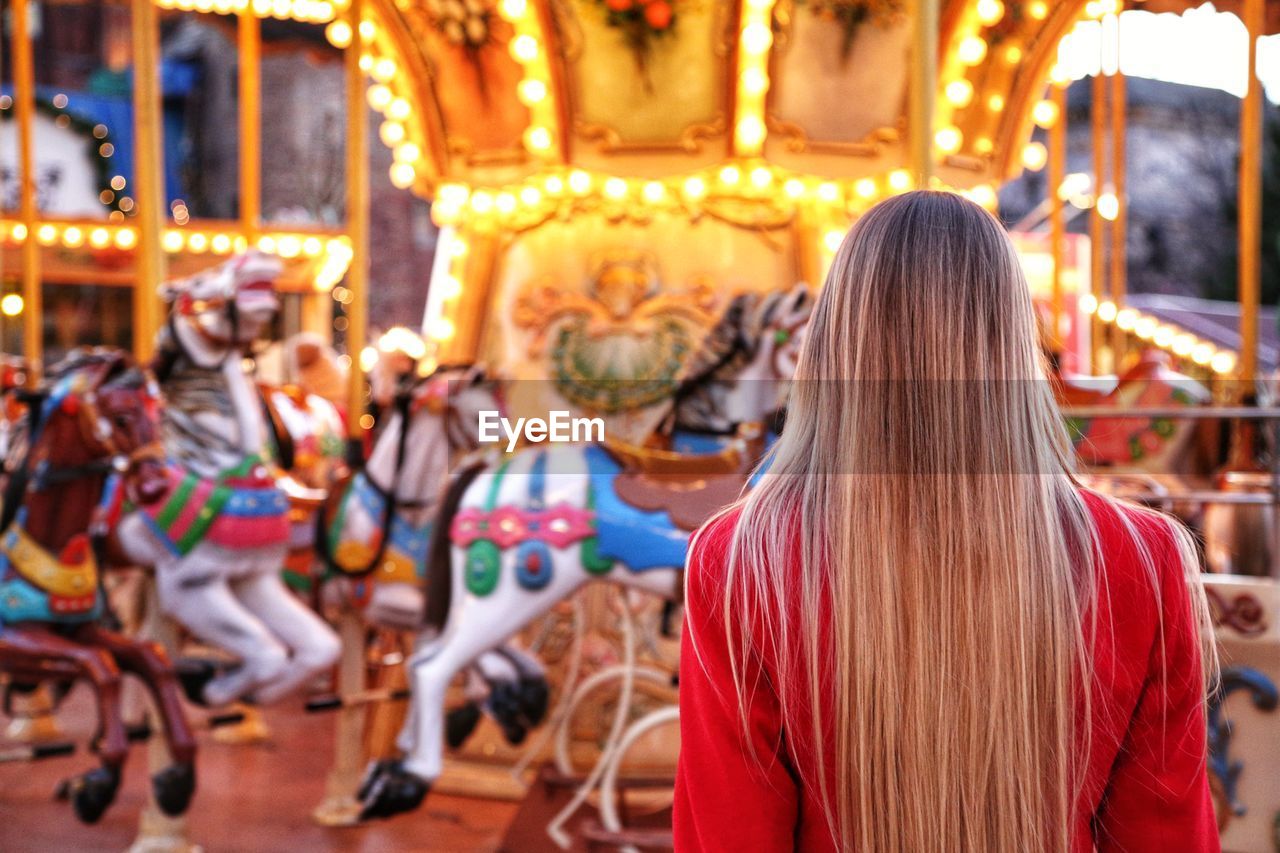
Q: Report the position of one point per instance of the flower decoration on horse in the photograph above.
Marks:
(852, 14)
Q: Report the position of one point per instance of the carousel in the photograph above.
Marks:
(633, 203)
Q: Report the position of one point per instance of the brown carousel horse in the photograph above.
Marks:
(89, 444)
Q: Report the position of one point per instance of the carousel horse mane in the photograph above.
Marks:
(195, 395)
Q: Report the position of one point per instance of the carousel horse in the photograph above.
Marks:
(89, 443)
(219, 540)
(373, 531)
(513, 541)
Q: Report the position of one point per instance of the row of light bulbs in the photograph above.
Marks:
(335, 252)
(310, 11)
(1152, 330)
(743, 180)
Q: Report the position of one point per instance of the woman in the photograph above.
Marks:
(919, 632)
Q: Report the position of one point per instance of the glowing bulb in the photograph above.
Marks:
(1088, 303)
(754, 81)
(749, 131)
(1223, 362)
(46, 234)
(828, 192)
(579, 181)
(1045, 114)
(1202, 353)
(983, 145)
(339, 34)
(403, 175)
(524, 48)
(948, 140)
(761, 176)
(959, 93)
(695, 187)
(379, 96)
(793, 187)
(11, 305)
(1034, 156)
(995, 103)
(450, 287)
(1145, 328)
(398, 109)
(832, 240)
(73, 237)
(126, 238)
(537, 138)
(98, 237)
(532, 91)
(972, 50)
(756, 38)
(481, 202)
(1038, 10)
(1164, 336)
(171, 241)
(730, 175)
(1126, 319)
(1108, 206)
(1107, 311)
(530, 196)
(1013, 54)
(865, 188)
(899, 180)
(407, 152)
(653, 192)
(989, 11)
(392, 132)
(441, 329)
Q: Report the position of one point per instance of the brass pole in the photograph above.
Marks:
(24, 96)
(1119, 225)
(1057, 219)
(250, 123)
(1250, 202)
(924, 84)
(357, 176)
(148, 177)
(1097, 226)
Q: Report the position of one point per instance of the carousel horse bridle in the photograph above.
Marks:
(388, 496)
(113, 460)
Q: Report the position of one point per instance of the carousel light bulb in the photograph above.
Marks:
(995, 103)
(170, 241)
(989, 12)
(793, 187)
(554, 184)
(450, 287)
(452, 194)
(1145, 328)
(1045, 114)
(391, 132)
(828, 192)
(368, 30)
(1202, 353)
(537, 138)
(532, 92)
(441, 329)
(399, 109)
(579, 181)
(984, 195)
(730, 175)
(239, 243)
(756, 38)
(615, 188)
(1183, 344)
(459, 249)
(402, 175)
(749, 131)
(379, 96)
(864, 187)
(98, 237)
(72, 237)
(1013, 54)
(959, 93)
(11, 305)
(407, 152)
(1222, 363)
(1088, 303)
(384, 69)
(695, 187)
(46, 234)
(899, 180)
(126, 238)
(1034, 156)
(366, 62)
(524, 48)
(1164, 336)
(368, 358)
(761, 176)
(530, 196)
(1126, 319)
(311, 247)
(972, 50)
(197, 242)
(754, 81)
(1107, 311)
(513, 9)
(983, 145)
(832, 240)
(1058, 75)
(948, 140)
(653, 192)
(1108, 206)
(481, 202)
(506, 203)
(1038, 10)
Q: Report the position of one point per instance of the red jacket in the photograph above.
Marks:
(1147, 787)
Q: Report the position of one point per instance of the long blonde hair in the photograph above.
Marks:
(919, 556)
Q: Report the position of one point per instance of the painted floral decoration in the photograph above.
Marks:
(641, 21)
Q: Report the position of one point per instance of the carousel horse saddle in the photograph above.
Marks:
(37, 586)
(404, 556)
(240, 508)
(688, 488)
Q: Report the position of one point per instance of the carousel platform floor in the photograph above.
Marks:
(250, 798)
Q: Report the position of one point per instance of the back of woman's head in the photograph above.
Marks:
(918, 554)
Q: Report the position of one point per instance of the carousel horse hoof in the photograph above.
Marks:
(376, 771)
(460, 724)
(507, 710)
(514, 733)
(534, 697)
(173, 787)
(392, 790)
(92, 793)
(194, 674)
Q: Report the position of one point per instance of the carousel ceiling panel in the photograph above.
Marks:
(644, 80)
(860, 51)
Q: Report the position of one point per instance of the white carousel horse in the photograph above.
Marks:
(219, 541)
(527, 535)
(373, 533)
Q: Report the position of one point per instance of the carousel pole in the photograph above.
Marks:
(24, 97)
(1250, 203)
(924, 83)
(340, 806)
(148, 177)
(250, 91)
(1057, 218)
(1097, 226)
(1119, 225)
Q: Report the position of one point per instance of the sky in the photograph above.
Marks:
(1201, 47)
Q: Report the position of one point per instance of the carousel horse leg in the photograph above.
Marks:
(33, 720)
(173, 785)
(314, 646)
(93, 792)
(211, 612)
